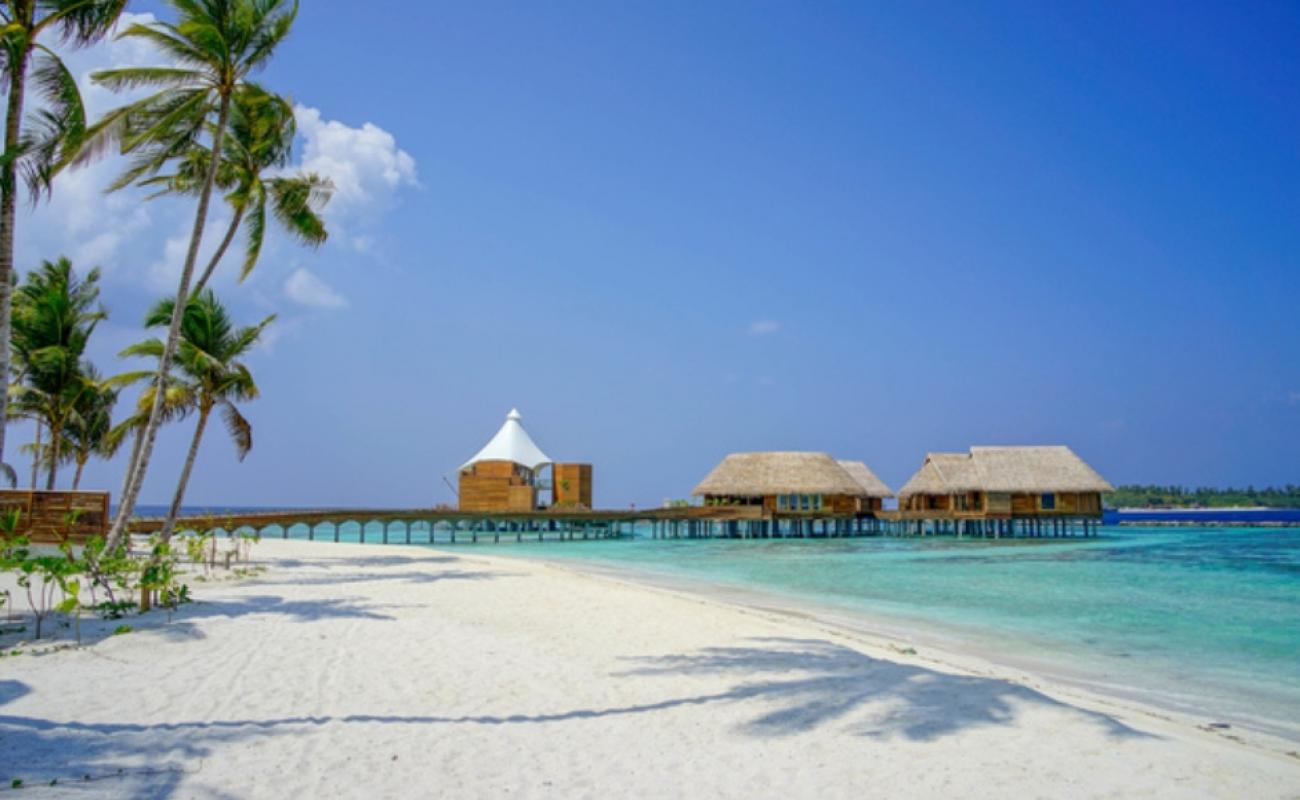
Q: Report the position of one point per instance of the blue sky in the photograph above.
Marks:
(673, 231)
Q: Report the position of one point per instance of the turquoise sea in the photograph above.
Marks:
(1201, 620)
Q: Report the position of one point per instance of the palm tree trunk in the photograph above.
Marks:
(76, 476)
(140, 467)
(36, 454)
(8, 214)
(221, 251)
(172, 513)
(56, 439)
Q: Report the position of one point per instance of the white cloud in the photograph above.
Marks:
(306, 289)
(365, 163)
(763, 327)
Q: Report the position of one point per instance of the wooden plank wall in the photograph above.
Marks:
(496, 486)
(572, 484)
(44, 516)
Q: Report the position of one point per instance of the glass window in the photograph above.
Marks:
(1049, 502)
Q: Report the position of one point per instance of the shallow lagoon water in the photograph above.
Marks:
(1204, 620)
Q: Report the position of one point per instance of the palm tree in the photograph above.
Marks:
(89, 430)
(216, 45)
(55, 132)
(55, 314)
(259, 138)
(22, 405)
(210, 376)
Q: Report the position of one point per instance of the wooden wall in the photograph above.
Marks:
(43, 517)
(840, 503)
(1067, 504)
(496, 486)
(572, 485)
(831, 504)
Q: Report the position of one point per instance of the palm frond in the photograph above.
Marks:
(124, 78)
(297, 201)
(255, 226)
(57, 130)
(239, 428)
(81, 22)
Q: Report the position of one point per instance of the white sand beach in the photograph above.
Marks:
(389, 671)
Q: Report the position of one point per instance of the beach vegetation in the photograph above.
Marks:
(160, 580)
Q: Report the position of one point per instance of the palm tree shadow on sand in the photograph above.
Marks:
(796, 685)
(807, 683)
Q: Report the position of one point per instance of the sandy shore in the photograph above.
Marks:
(386, 671)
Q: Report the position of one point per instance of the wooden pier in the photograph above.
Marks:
(441, 526)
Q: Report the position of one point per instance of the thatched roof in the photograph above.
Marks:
(1028, 470)
(927, 480)
(1036, 469)
(865, 478)
(957, 471)
(757, 474)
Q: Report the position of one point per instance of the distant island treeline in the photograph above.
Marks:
(1140, 496)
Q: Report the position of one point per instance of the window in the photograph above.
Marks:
(1048, 502)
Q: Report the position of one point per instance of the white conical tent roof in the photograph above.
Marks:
(512, 443)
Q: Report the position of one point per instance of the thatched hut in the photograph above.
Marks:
(1005, 482)
(791, 483)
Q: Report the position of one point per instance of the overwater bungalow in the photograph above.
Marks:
(1002, 483)
(506, 475)
(786, 483)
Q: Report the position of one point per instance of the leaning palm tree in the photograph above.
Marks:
(55, 313)
(89, 430)
(216, 45)
(209, 376)
(40, 148)
(259, 139)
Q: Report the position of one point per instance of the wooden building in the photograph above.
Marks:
(792, 484)
(1004, 483)
(506, 475)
